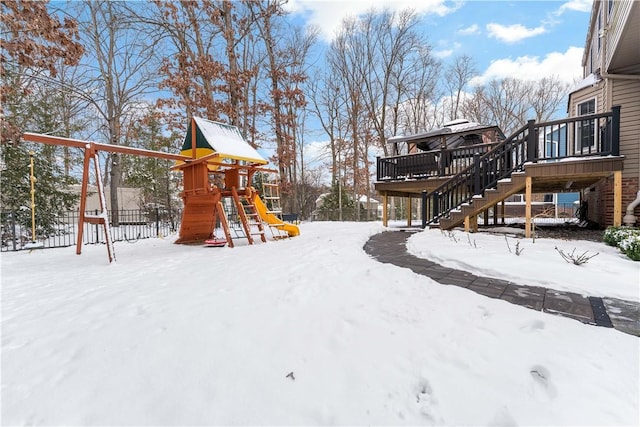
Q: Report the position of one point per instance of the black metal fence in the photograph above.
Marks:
(134, 225)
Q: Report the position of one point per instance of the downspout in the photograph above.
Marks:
(630, 219)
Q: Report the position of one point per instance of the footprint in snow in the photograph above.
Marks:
(425, 400)
(542, 376)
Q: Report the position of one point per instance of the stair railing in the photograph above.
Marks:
(530, 143)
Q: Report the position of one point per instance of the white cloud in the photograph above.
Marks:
(564, 65)
(575, 5)
(447, 49)
(473, 29)
(328, 14)
(445, 53)
(513, 33)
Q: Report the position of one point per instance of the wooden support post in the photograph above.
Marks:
(502, 212)
(409, 211)
(83, 197)
(467, 224)
(473, 223)
(617, 198)
(219, 209)
(385, 213)
(495, 214)
(242, 214)
(527, 196)
(486, 217)
(91, 153)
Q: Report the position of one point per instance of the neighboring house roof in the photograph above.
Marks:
(456, 133)
(591, 80)
(226, 140)
(365, 199)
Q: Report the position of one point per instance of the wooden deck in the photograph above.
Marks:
(547, 177)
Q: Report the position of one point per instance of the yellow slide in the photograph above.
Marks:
(273, 220)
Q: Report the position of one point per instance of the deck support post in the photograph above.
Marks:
(471, 224)
(527, 198)
(423, 208)
(502, 211)
(385, 213)
(409, 211)
(617, 198)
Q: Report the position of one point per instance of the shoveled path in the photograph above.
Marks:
(390, 247)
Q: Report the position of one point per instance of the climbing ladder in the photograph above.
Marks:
(248, 214)
(271, 197)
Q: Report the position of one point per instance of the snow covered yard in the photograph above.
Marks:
(306, 331)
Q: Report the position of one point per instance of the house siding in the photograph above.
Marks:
(626, 93)
(598, 91)
(610, 92)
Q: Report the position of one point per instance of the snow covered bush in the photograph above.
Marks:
(631, 246)
(625, 238)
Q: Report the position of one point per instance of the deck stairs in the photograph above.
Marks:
(479, 203)
(491, 178)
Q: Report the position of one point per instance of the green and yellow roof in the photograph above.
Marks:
(213, 137)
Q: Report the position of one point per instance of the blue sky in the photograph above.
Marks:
(527, 39)
(524, 39)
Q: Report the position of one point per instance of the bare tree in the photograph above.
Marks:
(474, 107)
(545, 97)
(287, 49)
(415, 113)
(328, 106)
(121, 63)
(456, 78)
(510, 102)
(393, 50)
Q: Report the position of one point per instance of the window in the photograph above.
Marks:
(585, 129)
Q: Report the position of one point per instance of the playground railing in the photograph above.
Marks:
(62, 230)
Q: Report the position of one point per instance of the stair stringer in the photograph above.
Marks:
(506, 188)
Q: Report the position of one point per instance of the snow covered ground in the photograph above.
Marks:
(608, 273)
(308, 331)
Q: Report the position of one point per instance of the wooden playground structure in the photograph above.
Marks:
(217, 167)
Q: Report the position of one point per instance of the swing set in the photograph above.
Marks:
(211, 151)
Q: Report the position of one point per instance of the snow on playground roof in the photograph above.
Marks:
(225, 140)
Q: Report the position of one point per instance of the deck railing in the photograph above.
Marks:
(425, 164)
(576, 137)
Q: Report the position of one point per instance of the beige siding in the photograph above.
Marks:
(587, 93)
(626, 93)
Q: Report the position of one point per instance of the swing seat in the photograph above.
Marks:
(215, 242)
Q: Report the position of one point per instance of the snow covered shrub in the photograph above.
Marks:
(631, 246)
(614, 235)
(627, 239)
